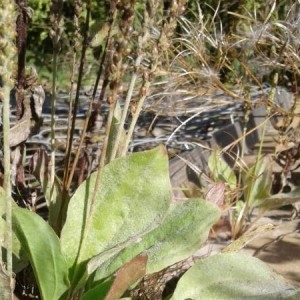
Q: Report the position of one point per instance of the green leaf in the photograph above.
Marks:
(99, 291)
(280, 199)
(220, 170)
(258, 182)
(19, 257)
(132, 198)
(41, 245)
(232, 276)
(114, 131)
(183, 231)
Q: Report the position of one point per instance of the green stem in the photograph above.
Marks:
(52, 136)
(124, 112)
(133, 123)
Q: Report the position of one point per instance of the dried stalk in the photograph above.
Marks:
(7, 56)
(126, 13)
(169, 25)
(55, 33)
(79, 80)
(77, 37)
(68, 179)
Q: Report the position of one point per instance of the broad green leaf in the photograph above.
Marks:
(42, 247)
(258, 182)
(232, 276)
(220, 170)
(183, 231)
(132, 198)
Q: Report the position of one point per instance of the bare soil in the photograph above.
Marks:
(280, 247)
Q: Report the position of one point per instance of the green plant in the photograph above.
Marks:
(131, 215)
(131, 224)
(120, 224)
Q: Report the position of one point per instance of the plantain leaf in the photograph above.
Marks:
(113, 132)
(232, 276)
(42, 248)
(132, 198)
(258, 182)
(99, 291)
(220, 170)
(183, 231)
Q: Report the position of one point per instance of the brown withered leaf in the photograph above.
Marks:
(127, 275)
(216, 194)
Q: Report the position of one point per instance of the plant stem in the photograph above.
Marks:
(55, 33)
(124, 112)
(79, 81)
(77, 35)
(133, 122)
(6, 181)
(7, 61)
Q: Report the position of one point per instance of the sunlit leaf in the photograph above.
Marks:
(183, 231)
(232, 276)
(113, 132)
(99, 291)
(42, 248)
(132, 198)
(258, 182)
(220, 170)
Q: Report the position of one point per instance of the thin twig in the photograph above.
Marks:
(124, 112)
(80, 77)
(133, 122)
(56, 19)
(66, 176)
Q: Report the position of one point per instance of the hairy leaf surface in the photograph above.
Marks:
(183, 231)
(132, 198)
(232, 276)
